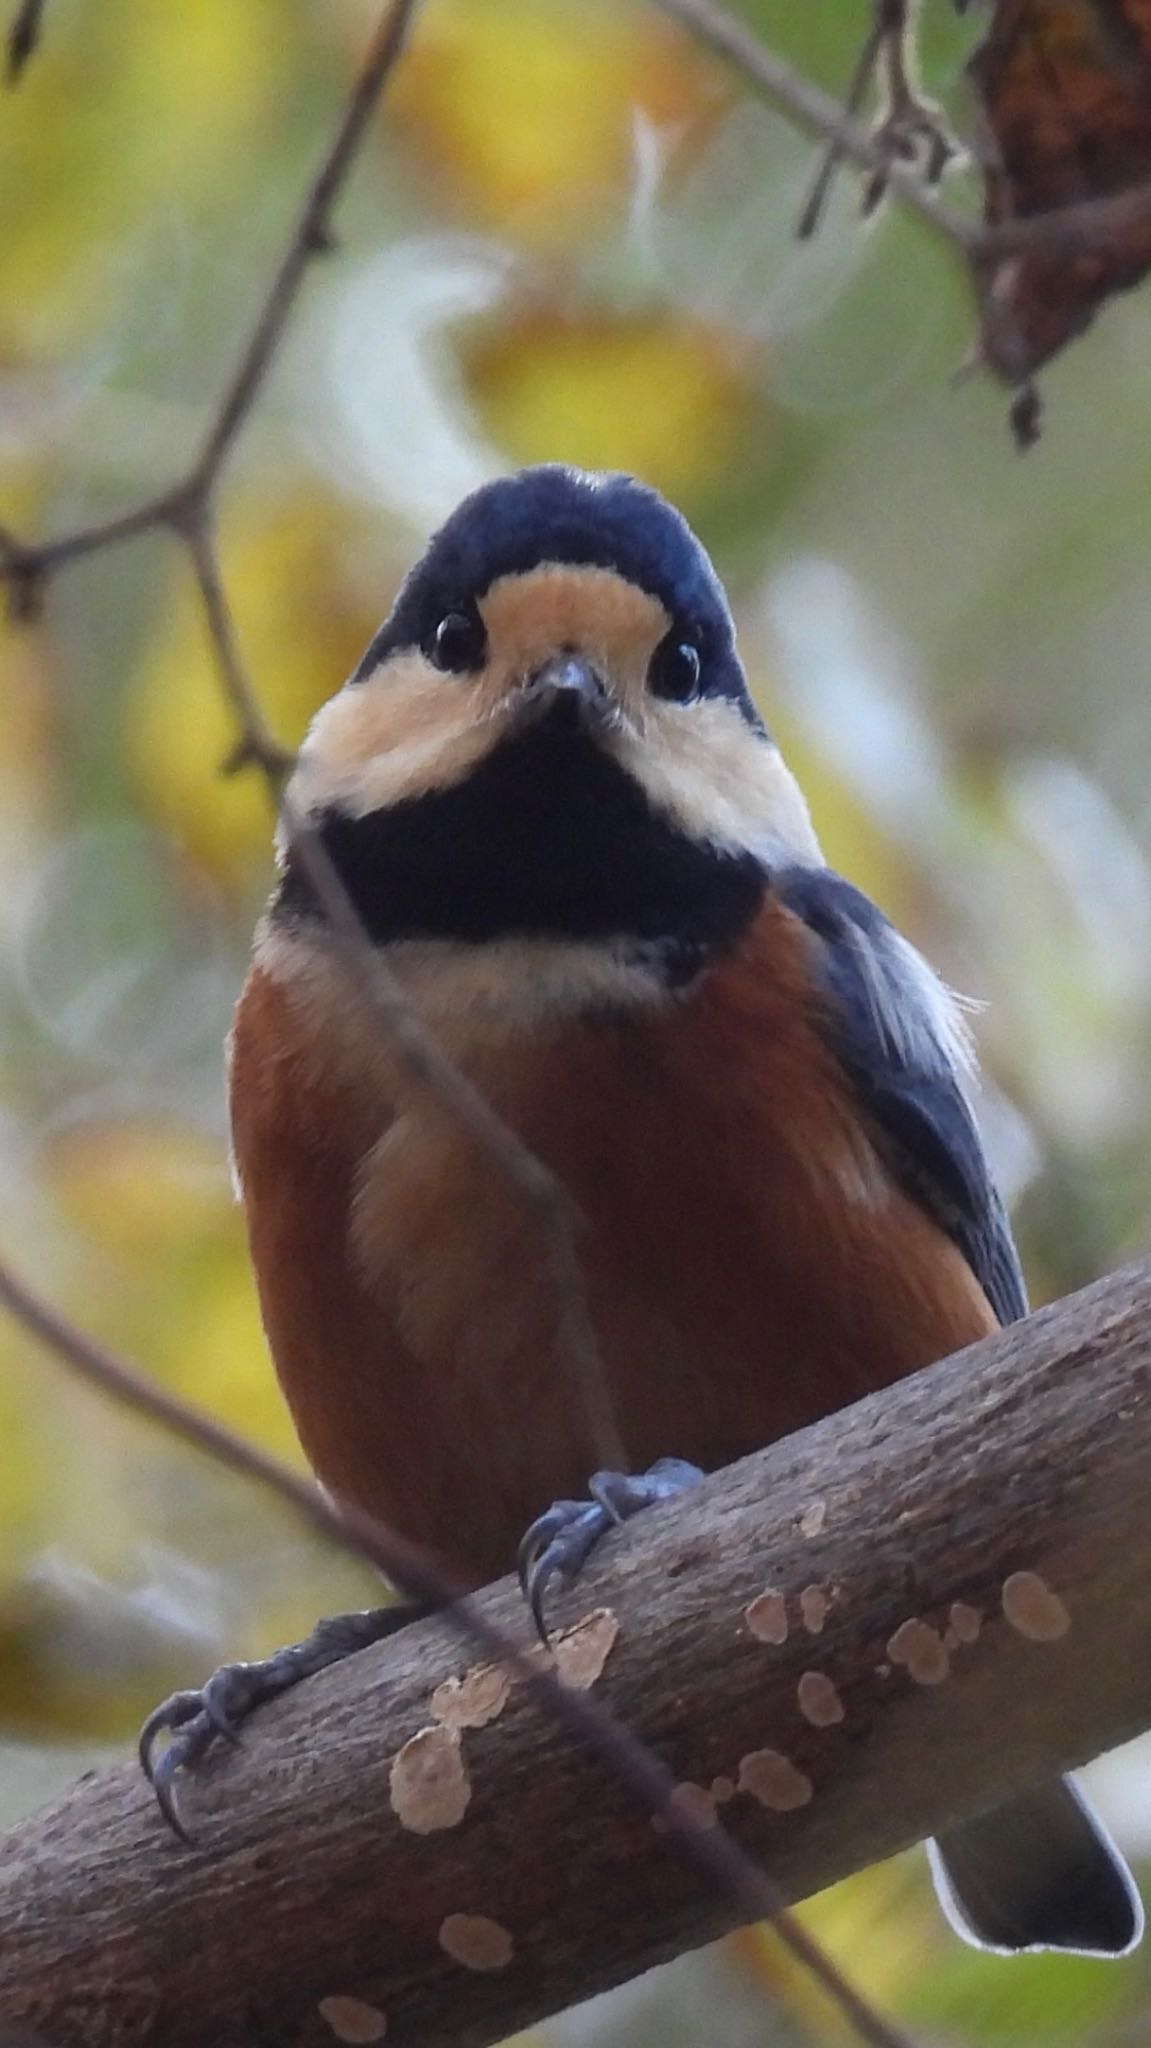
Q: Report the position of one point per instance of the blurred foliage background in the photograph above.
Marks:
(570, 236)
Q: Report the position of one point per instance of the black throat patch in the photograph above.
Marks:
(548, 838)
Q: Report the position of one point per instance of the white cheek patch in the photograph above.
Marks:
(704, 767)
(402, 732)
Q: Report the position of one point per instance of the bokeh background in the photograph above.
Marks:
(569, 236)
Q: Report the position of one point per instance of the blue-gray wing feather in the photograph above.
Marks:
(891, 1038)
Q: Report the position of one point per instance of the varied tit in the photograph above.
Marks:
(554, 807)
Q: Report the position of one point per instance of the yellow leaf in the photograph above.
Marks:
(853, 843)
(25, 1455)
(877, 1926)
(74, 142)
(525, 113)
(667, 399)
(137, 1187)
(218, 1356)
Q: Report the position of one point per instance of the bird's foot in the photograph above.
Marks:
(195, 1720)
(563, 1538)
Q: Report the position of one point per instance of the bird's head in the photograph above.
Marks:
(551, 737)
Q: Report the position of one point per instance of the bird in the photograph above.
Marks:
(550, 801)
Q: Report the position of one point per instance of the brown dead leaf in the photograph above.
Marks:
(1065, 93)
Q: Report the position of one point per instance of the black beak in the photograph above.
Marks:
(568, 689)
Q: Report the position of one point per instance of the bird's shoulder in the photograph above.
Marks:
(899, 1037)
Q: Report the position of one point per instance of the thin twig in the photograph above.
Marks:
(811, 213)
(27, 565)
(256, 744)
(24, 36)
(907, 123)
(543, 1195)
(818, 114)
(1066, 226)
(410, 1569)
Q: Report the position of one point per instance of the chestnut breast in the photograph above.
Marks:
(750, 1263)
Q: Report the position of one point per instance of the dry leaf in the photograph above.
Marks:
(1065, 91)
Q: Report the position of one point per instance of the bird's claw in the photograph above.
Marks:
(562, 1539)
(216, 1711)
(192, 1721)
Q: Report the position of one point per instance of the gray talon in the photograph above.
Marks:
(562, 1539)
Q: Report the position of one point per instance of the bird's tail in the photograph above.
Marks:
(1039, 1873)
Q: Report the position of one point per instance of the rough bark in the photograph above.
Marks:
(959, 1570)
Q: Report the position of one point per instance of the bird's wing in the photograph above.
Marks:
(897, 1034)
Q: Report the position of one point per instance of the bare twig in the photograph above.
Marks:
(811, 213)
(256, 744)
(908, 125)
(1066, 226)
(818, 114)
(28, 565)
(24, 36)
(414, 1573)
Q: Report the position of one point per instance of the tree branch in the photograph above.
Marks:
(959, 1553)
(415, 1573)
(807, 107)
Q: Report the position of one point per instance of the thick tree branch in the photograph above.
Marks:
(711, 1849)
(969, 1551)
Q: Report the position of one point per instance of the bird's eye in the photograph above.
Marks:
(459, 642)
(675, 670)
